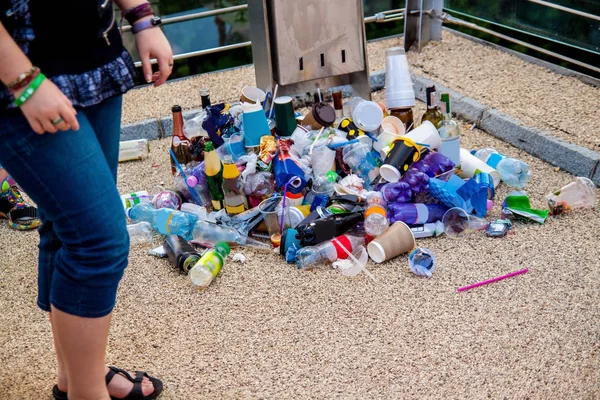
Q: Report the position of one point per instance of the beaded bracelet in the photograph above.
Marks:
(33, 86)
(26, 81)
(21, 78)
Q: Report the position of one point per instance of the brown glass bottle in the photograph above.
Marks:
(405, 115)
(179, 143)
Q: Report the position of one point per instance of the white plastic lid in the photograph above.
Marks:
(367, 116)
(376, 252)
(389, 173)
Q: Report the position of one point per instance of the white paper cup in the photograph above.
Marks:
(251, 93)
(471, 166)
(426, 133)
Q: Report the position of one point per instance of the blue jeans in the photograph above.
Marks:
(71, 176)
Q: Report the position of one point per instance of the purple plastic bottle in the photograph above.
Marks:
(416, 213)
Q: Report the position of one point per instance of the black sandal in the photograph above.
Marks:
(135, 394)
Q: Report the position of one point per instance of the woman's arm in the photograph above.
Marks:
(151, 43)
(47, 103)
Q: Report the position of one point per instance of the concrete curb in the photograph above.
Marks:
(570, 157)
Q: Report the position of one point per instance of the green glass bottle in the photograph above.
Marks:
(213, 168)
(433, 113)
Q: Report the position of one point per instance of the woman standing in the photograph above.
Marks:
(64, 70)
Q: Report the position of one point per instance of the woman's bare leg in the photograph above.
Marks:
(82, 345)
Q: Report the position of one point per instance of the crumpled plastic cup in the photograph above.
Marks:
(422, 262)
(353, 267)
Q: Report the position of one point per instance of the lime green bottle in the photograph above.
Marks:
(209, 265)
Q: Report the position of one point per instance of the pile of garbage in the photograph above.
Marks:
(346, 182)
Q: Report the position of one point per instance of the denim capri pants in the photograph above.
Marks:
(71, 176)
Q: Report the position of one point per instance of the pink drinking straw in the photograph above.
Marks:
(523, 271)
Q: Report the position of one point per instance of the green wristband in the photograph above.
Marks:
(30, 90)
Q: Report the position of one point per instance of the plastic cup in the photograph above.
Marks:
(255, 126)
(285, 120)
(427, 134)
(422, 261)
(393, 125)
(581, 193)
(235, 145)
(384, 139)
(458, 223)
(270, 209)
(359, 159)
(399, 92)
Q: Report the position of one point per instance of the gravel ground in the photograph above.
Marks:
(266, 330)
(563, 106)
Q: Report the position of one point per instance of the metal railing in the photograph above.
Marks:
(382, 17)
(447, 18)
(566, 9)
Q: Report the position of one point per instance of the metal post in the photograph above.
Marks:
(420, 24)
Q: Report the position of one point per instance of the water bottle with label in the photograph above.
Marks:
(165, 221)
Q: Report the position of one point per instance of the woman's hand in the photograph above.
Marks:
(46, 105)
(152, 43)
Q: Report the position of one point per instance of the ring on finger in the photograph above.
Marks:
(57, 120)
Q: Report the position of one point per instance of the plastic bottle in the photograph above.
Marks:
(327, 228)
(213, 170)
(164, 220)
(328, 251)
(209, 266)
(376, 221)
(233, 188)
(140, 233)
(196, 179)
(204, 231)
(416, 213)
(512, 171)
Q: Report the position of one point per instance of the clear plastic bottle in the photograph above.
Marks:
(209, 265)
(140, 233)
(376, 221)
(164, 220)
(513, 172)
(328, 251)
(204, 231)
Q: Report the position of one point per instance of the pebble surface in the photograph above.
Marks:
(266, 330)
